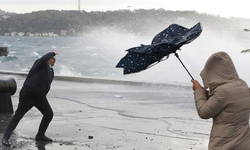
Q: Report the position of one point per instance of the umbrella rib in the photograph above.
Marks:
(183, 65)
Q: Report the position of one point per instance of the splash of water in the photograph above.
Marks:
(97, 53)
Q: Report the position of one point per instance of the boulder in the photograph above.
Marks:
(4, 51)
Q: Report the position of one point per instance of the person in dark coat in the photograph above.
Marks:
(33, 93)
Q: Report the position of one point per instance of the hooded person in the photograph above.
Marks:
(227, 102)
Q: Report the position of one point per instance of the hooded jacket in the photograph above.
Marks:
(228, 103)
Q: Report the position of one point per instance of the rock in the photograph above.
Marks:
(4, 51)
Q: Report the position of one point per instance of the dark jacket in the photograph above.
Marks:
(40, 76)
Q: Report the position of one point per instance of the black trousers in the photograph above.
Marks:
(26, 101)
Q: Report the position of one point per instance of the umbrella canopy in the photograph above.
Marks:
(166, 42)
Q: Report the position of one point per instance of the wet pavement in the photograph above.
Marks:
(108, 115)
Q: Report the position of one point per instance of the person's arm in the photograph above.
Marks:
(45, 58)
(208, 107)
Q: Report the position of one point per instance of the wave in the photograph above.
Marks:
(67, 71)
(8, 58)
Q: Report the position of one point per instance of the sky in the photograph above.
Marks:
(223, 8)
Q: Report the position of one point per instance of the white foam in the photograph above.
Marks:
(66, 71)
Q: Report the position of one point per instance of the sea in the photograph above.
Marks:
(97, 53)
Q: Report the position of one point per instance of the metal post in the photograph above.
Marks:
(7, 88)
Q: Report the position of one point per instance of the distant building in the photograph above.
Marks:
(29, 34)
(52, 34)
(64, 32)
(20, 33)
(45, 34)
(13, 33)
(38, 34)
(55, 35)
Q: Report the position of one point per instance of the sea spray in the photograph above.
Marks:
(97, 53)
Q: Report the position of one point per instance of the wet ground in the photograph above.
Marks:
(96, 115)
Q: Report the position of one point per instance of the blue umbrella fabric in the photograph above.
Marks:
(166, 42)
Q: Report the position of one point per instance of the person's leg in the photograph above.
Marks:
(24, 105)
(20, 112)
(44, 107)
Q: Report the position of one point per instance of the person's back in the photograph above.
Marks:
(228, 103)
(230, 129)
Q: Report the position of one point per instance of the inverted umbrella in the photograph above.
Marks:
(166, 42)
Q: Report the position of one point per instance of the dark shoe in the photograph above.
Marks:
(41, 144)
(43, 138)
(5, 141)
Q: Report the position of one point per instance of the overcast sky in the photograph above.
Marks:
(224, 8)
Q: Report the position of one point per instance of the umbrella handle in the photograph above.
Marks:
(183, 65)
